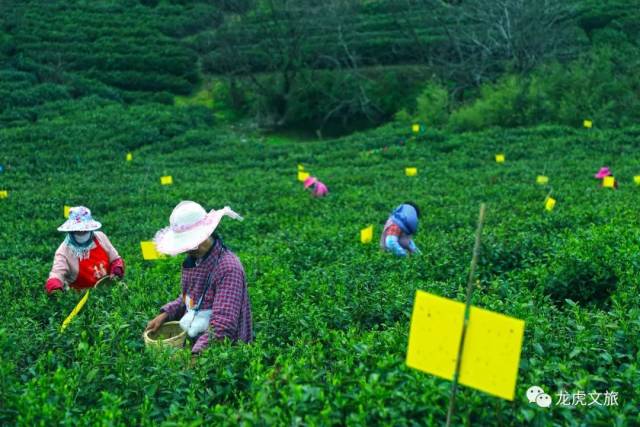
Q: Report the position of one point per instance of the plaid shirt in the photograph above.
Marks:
(227, 296)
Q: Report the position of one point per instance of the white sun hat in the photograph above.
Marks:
(80, 219)
(189, 225)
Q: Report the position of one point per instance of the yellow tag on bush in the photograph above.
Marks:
(587, 124)
(129, 157)
(149, 251)
(500, 158)
(366, 234)
(166, 180)
(415, 128)
(542, 180)
(411, 171)
(550, 204)
(4, 194)
(609, 182)
(636, 179)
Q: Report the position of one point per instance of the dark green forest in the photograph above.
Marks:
(338, 65)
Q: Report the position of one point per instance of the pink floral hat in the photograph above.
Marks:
(604, 171)
(80, 219)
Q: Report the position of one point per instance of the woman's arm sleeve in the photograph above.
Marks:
(175, 309)
(391, 242)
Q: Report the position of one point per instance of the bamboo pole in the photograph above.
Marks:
(470, 287)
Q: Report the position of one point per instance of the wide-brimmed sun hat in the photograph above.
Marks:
(80, 219)
(310, 181)
(189, 225)
(604, 171)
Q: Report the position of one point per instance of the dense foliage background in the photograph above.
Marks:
(330, 66)
(83, 83)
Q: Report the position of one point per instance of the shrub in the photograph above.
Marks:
(138, 81)
(582, 270)
(599, 85)
(433, 104)
(497, 106)
(334, 98)
(402, 116)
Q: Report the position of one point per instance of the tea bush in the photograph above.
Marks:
(584, 268)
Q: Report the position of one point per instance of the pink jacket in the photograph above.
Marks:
(320, 190)
(66, 265)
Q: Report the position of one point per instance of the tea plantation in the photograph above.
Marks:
(331, 314)
(84, 83)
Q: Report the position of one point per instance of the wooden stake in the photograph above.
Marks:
(474, 263)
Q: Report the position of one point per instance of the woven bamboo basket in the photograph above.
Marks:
(105, 281)
(169, 334)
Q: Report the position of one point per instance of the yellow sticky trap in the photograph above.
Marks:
(75, 311)
(587, 124)
(542, 180)
(411, 171)
(300, 167)
(609, 182)
(149, 251)
(166, 180)
(129, 157)
(366, 234)
(492, 346)
(415, 128)
(4, 194)
(66, 211)
(550, 203)
(500, 158)
(302, 176)
(636, 179)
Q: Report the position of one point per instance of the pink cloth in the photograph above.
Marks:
(66, 265)
(320, 190)
(604, 171)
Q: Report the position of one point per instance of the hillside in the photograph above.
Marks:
(332, 66)
(222, 96)
(331, 315)
(55, 52)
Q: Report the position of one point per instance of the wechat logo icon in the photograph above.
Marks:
(537, 395)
